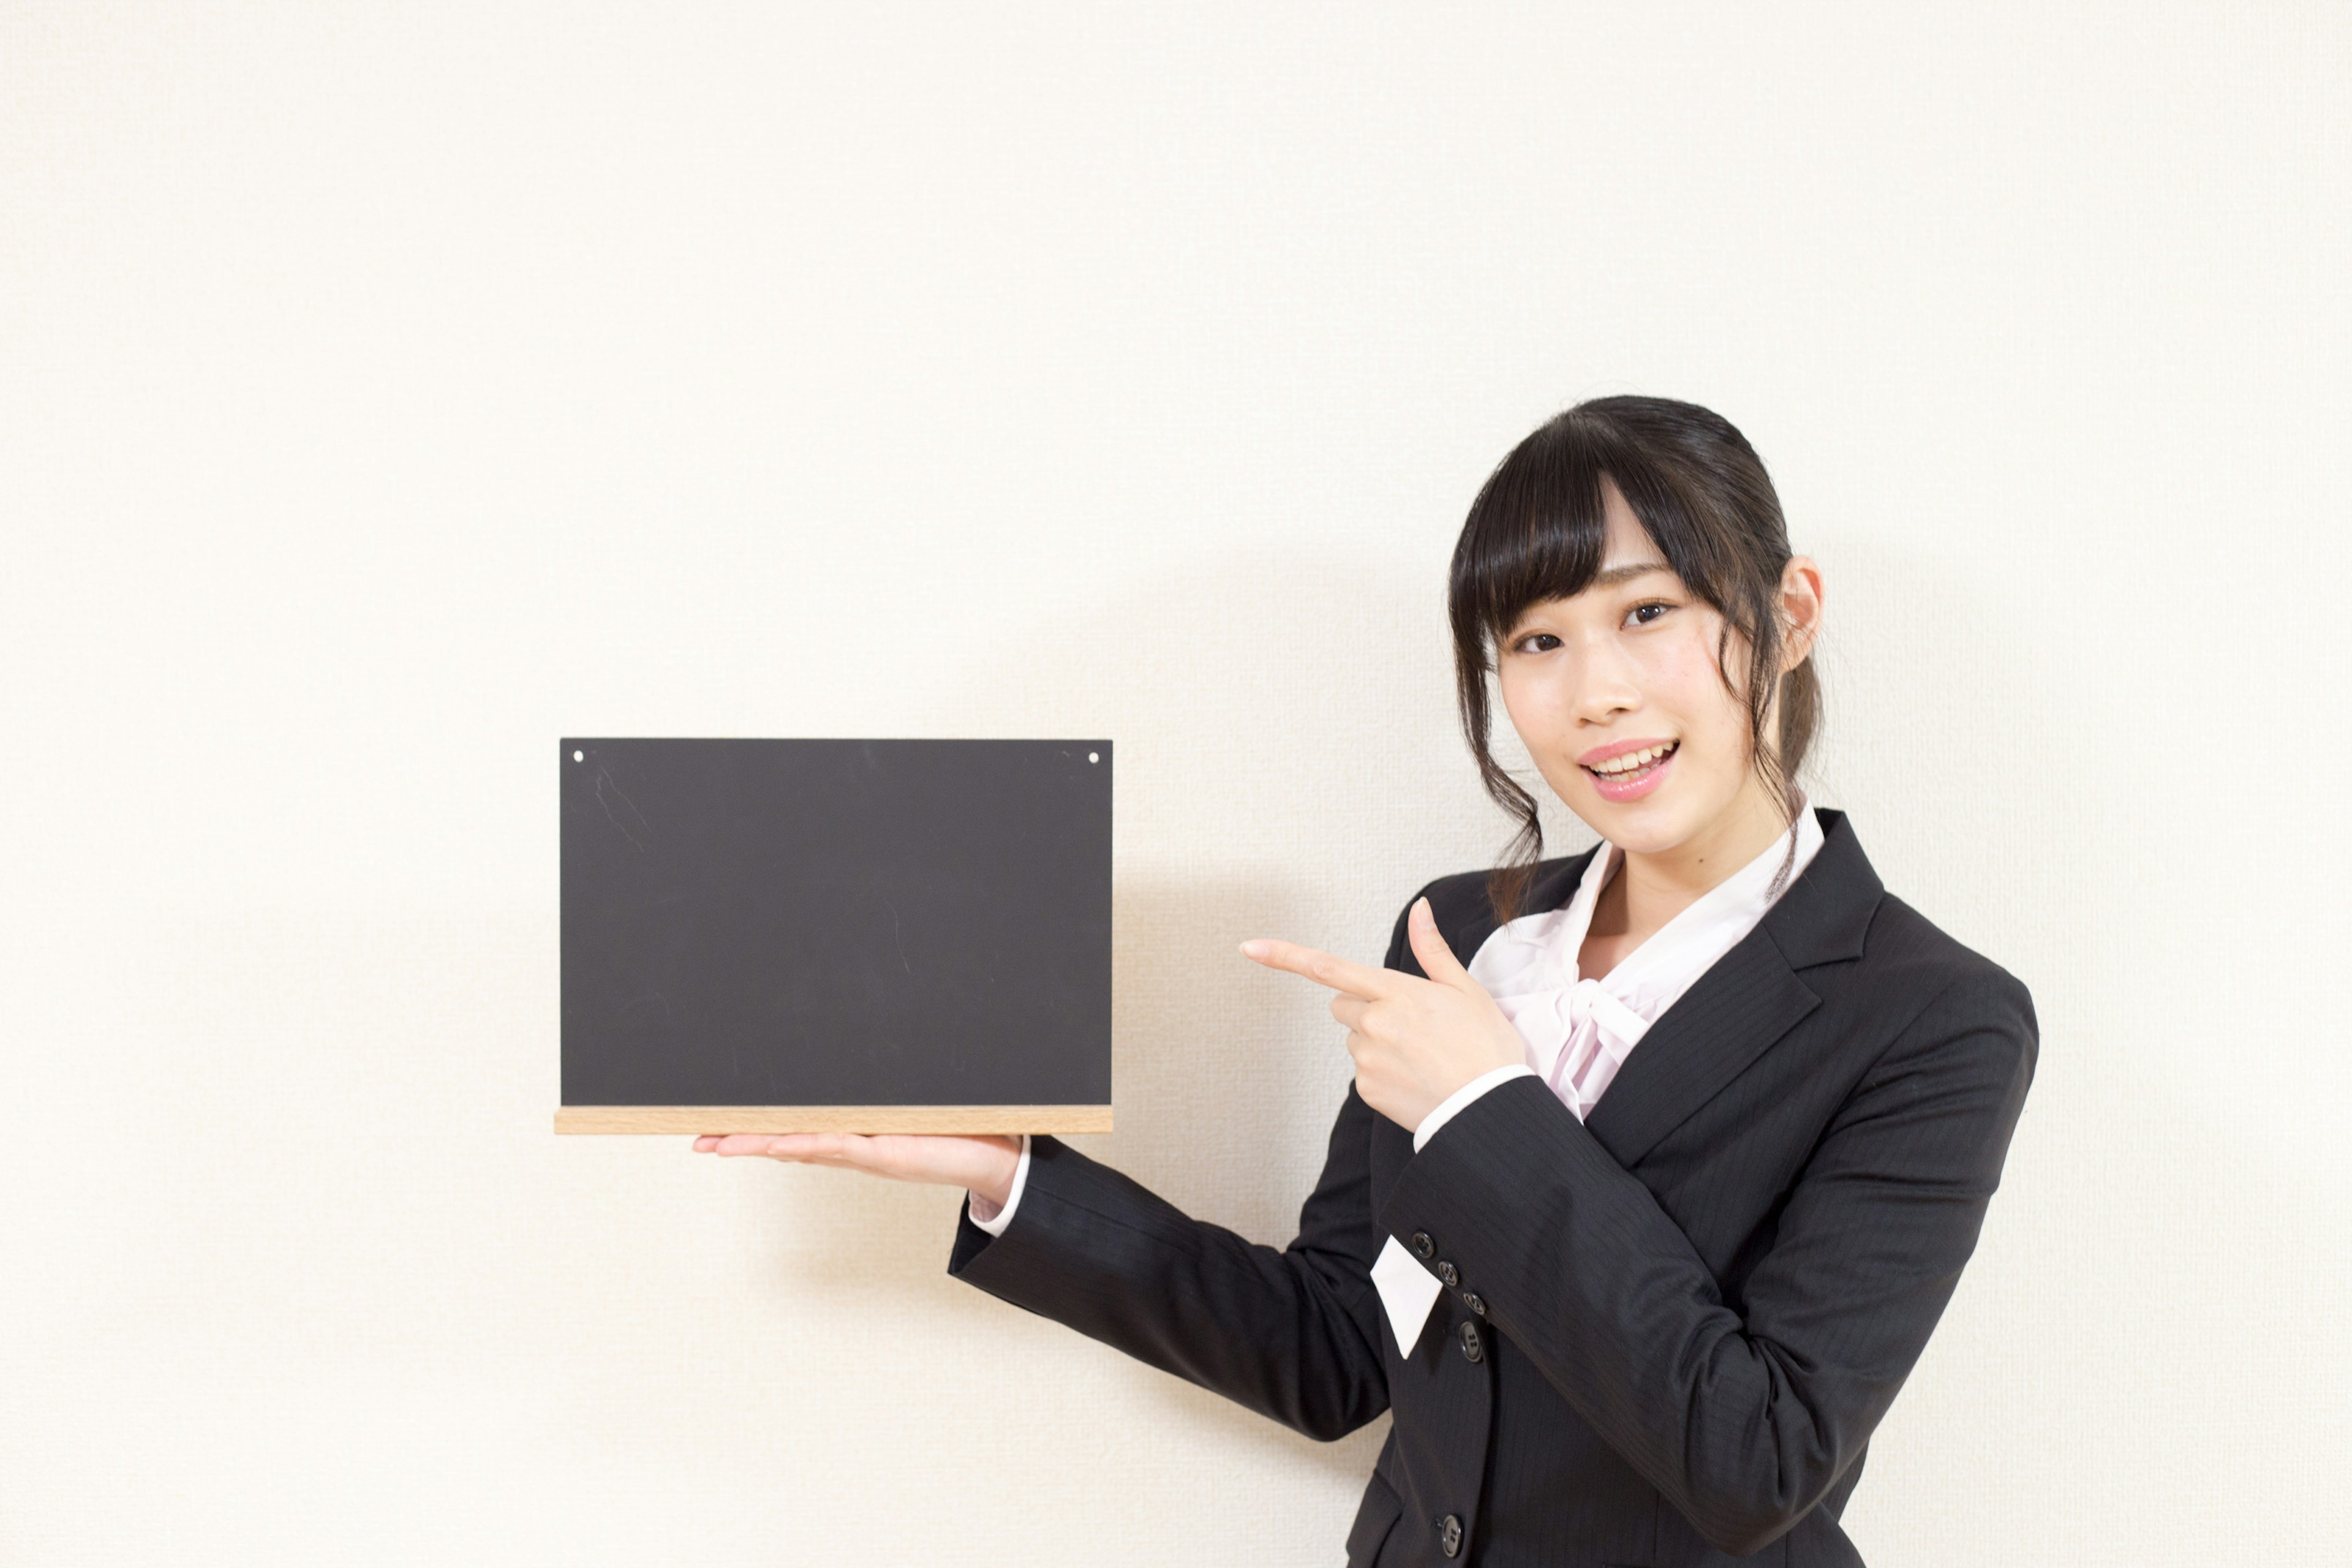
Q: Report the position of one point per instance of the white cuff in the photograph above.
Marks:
(994, 1223)
(1451, 1106)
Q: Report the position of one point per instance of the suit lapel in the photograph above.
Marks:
(1734, 1011)
(1745, 1003)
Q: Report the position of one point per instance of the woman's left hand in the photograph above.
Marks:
(1416, 1041)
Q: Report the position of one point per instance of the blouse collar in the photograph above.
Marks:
(1538, 952)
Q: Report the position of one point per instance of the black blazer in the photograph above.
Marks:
(1670, 1332)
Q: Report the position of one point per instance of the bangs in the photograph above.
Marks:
(1538, 531)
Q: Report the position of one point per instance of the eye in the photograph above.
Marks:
(1521, 646)
(1638, 618)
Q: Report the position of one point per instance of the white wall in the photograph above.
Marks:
(387, 390)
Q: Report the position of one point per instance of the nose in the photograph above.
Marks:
(1603, 686)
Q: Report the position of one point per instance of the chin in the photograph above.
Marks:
(1650, 827)
(1648, 837)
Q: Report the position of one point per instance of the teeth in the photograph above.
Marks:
(1633, 760)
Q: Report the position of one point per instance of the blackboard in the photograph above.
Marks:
(855, 935)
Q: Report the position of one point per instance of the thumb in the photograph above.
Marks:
(1437, 960)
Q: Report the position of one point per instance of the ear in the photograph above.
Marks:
(1800, 610)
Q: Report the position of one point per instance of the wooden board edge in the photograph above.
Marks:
(700, 1118)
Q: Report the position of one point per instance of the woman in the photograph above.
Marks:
(1639, 1219)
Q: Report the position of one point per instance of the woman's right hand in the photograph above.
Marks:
(984, 1165)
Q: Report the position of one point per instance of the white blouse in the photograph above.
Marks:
(1577, 1031)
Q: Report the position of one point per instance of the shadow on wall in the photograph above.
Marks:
(1285, 723)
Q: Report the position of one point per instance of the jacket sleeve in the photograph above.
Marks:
(1293, 1334)
(1742, 1419)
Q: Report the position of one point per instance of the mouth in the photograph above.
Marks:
(1633, 774)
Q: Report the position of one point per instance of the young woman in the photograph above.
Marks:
(1637, 1219)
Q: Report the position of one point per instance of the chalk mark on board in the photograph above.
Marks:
(603, 777)
(899, 936)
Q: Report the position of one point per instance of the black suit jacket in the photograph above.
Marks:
(1671, 1329)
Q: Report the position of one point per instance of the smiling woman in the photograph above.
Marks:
(1639, 1218)
(1631, 557)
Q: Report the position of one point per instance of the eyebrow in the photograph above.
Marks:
(1616, 575)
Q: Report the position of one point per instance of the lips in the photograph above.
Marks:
(1634, 772)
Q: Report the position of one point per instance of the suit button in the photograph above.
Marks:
(1422, 1247)
(1471, 1300)
(1449, 1534)
(1451, 1274)
(1473, 1348)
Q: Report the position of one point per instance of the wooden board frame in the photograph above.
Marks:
(696, 1119)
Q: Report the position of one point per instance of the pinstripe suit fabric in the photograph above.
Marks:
(1690, 1313)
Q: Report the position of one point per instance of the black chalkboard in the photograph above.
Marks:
(866, 936)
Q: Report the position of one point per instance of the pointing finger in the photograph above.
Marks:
(1324, 968)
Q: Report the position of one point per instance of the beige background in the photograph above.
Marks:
(387, 390)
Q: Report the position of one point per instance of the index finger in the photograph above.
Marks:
(1324, 968)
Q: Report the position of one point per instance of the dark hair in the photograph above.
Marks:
(1536, 531)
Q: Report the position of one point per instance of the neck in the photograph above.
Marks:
(1650, 890)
